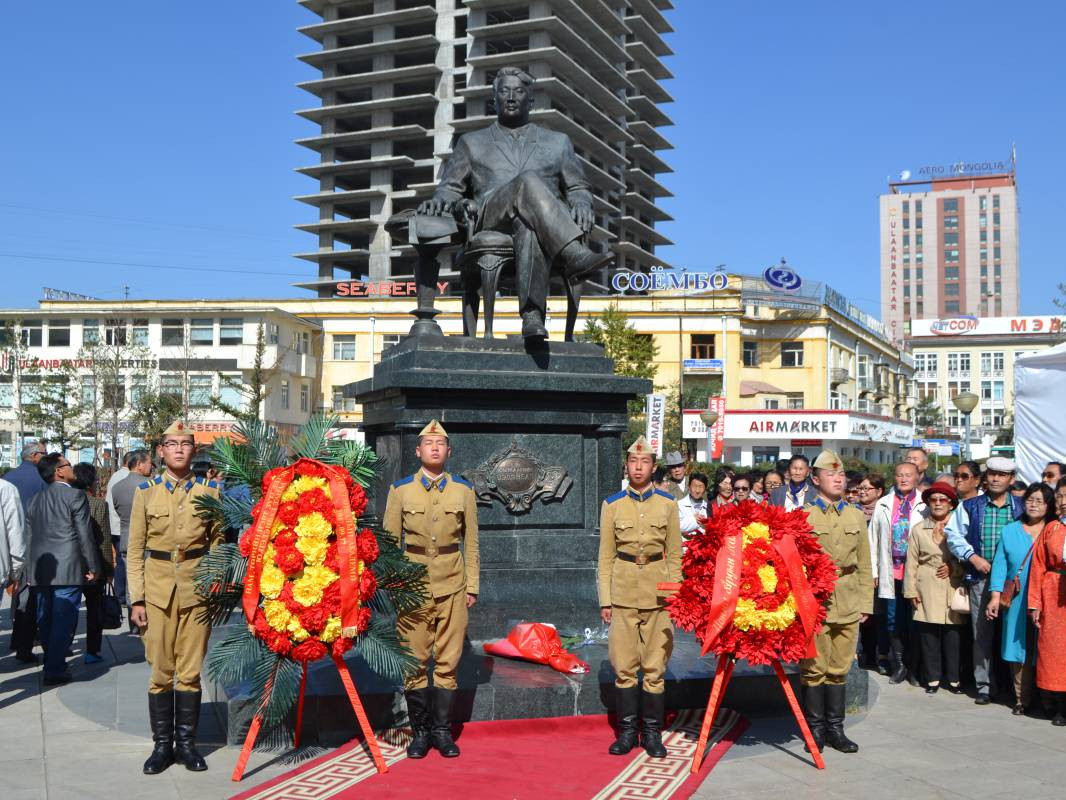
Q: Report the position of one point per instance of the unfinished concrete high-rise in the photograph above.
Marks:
(401, 78)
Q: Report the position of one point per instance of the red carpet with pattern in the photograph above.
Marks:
(562, 758)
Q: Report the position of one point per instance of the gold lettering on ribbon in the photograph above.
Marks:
(260, 539)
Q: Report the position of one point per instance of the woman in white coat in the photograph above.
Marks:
(895, 515)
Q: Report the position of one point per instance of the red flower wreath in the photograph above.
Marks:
(769, 619)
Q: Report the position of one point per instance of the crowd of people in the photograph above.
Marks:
(968, 568)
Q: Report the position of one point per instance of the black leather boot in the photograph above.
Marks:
(834, 719)
(1059, 706)
(651, 737)
(161, 718)
(186, 718)
(814, 712)
(626, 705)
(899, 669)
(441, 736)
(418, 705)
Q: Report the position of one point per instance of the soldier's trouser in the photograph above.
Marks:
(438, 629)
(175, 645)
(640, 638)
(835, 645)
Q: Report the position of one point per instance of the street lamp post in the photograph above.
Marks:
(708, 418)
(966, 402)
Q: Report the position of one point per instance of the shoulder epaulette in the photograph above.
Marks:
(157, 480)
(616, 496)
(667, 495)
(145, 485)
(402, 481)
(463, 481)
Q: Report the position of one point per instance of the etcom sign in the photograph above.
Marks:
(954, 326)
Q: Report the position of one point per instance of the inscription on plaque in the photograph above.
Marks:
(516, 477)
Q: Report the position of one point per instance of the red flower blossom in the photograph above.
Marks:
(286, 537)
(289, 513)
(341, 645)
(314, 500)
(245, 543)
(357, 500)
(362, 620)
(331, 598)
(279, 642)
(289, 559)
(314, 618)
(290, 602)
(368, 546)
(332, 561)
(368, 584)
(308, 650)
(750, 587)
(271, 475)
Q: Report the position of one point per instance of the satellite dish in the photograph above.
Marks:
(905, 175)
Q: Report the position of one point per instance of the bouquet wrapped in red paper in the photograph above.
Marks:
(755, 586)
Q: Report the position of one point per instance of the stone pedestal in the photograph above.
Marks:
(554, 414)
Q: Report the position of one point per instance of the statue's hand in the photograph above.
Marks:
(466, 212)
(581, 213)
(433, 207)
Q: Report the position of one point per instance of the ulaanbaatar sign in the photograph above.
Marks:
(7, 363)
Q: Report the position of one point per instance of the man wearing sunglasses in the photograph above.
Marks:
(167, 539)
(967, 480)
(1054, 472)
(63, 557)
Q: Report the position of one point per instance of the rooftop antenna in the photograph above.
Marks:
(126, 291)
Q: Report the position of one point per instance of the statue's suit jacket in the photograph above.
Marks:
(485, 160)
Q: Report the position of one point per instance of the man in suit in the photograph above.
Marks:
(62, 556)
(167, 538)
(797, 491)
(525, 180)
(139, 464)
(430, 514)
(27, 480)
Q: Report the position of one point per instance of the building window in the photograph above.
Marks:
(751, 354)
(771, 405)
(701, 346)
(173, 332)
(140, 332)
(7, 392)
(389, 339)
(794, 400)
(31, 332)
(791, 354)
(88, 390)
(202, 332)
(951, 289)
(951, 307)
(229, 391)
(992, 363)
(114, 396)
(273, 333)
(344, 347)
(982, 202)
(958, 364)
(285, 395)
(995, 201)
(951, 238)
(995, 253)
(342, 403)
(200, 391)
(951, 222)
(951, 204)
(992, 417)
(951, 273)
(951, 255)
(231, 330)
(90, 331)
(170, 385)
(138, 389)
(115, 332)
(59, 333)
(305, 396)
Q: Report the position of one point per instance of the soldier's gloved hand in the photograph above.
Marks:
(433, 207)
(139, 615)
(582, 214)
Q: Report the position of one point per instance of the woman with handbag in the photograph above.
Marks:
(930, 578)
(85, 479)
(1047, 608)
(1008, 586)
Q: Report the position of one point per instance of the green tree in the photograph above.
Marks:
(116, 365)
(252, 393)
(928, 414)
(55, 408)
(154, 413)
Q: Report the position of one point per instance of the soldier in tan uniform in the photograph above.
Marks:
(430, 514)
(167, 540)
(841, 530)
(640, 547)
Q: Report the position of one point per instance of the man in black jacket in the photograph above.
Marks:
(62, 557)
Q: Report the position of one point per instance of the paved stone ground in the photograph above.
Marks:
(88, 740)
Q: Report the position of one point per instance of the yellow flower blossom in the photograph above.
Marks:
(276, 528)
(313, 549)
(277, 616)
(332, 629)
(307, 589)
(749, 617)
(304, 483)
(768, 578)
(756, 530)
(296, 630)
(313, 525)
(271, 581)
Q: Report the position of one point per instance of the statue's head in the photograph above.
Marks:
(512, 94)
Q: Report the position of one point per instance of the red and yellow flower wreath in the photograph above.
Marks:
(756, 583)
(309, 575)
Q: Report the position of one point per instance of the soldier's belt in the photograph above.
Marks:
(433, 551)
(176, 555)
(640, 560)
(848, 570)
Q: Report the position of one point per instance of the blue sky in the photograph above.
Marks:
(150, 145)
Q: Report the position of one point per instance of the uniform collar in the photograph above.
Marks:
(171, 482)
(427, 484)
(823, 504)
(640, 498)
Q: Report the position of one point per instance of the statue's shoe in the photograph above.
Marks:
(585, 263)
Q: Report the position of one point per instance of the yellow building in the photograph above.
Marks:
(763, 351)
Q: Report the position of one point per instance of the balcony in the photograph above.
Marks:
(282, 359)
(839, 375)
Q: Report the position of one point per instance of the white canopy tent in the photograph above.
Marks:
(1039, 411)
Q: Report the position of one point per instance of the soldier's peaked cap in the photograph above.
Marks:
(827, 459)
(178, 428)
(434, 428)
(641, 447)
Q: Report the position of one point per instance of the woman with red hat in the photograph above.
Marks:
(930, 578)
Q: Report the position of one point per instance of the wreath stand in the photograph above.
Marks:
(722, 674)
(357, 706)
